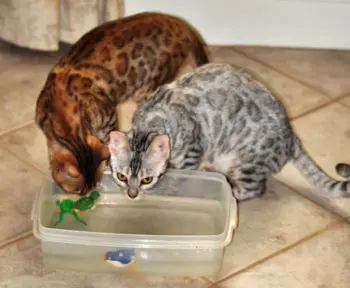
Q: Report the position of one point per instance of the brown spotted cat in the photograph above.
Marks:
(117, 61)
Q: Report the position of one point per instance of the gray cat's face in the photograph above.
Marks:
(137, 170)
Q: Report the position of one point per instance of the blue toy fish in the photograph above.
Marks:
(121, 258)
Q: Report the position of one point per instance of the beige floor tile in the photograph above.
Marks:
(321, 262)
(346, 101)
(212, 49)
(326, 135)
(19, 184)
(22, 78)
(29, 143)
(327, 70)
(269, 224)
(296, 97)
(22, 263)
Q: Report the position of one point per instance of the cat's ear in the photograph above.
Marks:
(118, 143)
(159, 148)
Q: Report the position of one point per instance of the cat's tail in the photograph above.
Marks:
(200, 49)
(200, 52)
(330, 187)
(343, 170)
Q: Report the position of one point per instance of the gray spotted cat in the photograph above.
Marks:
(216, 118)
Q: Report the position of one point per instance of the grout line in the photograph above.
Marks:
(215, 285)
(16, 128)
(212, 284)
(18, 238)
(279, 252)
(312, 110)
(207, 281)
(281, 72)
(308, 111)
(344, 103)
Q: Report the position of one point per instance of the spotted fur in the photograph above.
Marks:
(118, 61)
(217, 118)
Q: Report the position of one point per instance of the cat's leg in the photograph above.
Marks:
(247, 181)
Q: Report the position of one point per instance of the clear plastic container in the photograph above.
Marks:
(180, 227)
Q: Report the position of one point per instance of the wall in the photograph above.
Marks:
(296, 23)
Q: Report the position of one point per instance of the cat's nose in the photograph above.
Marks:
(132, 194)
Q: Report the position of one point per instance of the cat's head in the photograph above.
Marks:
(77, 165)
(138, 164)
(77, 157)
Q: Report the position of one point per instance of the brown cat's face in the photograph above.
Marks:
(78, 171)
(77, 157)
(65, 171)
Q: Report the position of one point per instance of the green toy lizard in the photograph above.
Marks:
(76, 207)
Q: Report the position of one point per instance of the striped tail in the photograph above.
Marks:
(328, 186)
(343, 170)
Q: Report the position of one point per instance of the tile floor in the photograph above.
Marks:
(283, 240)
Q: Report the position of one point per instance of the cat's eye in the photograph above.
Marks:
(146, 180)
(122, 177)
